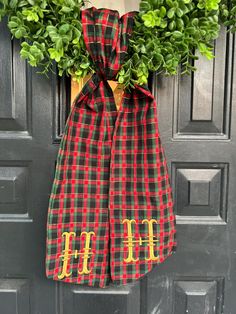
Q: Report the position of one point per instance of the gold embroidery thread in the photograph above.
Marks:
(130, 242)
(151, 241)
(67, 254)
(87, 253)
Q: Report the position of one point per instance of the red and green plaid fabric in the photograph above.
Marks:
(110, 215)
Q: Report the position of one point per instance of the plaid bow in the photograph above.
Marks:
(110, 215)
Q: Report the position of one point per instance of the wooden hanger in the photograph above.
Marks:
(117, 89)
(121, 6)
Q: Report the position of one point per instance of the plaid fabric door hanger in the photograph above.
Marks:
(110, 214)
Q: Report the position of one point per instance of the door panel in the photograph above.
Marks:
(202, 102)
(125, 300)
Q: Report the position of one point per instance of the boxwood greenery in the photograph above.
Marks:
(165, 37)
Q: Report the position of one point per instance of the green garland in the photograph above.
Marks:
(166, 35)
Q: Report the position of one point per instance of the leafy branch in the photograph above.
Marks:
(50, 31)
(166, 34)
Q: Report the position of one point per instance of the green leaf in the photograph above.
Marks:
(55, 54)
(205, 50)
(179, 24)
(18, 33)
(59, 43)
(179, 12)
(170, 3)
(194, 21)
(63, 29)
(30, 15)
(84, 65)
(13, 4)
(172, 25)
(144, 6)
(65, 9)
(12, 24)
(151, 19)
(121, 79)
(162, 12)
(163, 24)
(171, 13)
(177, 34)
(53, 32)
(190, 30)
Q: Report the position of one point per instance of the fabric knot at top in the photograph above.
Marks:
(106, 36)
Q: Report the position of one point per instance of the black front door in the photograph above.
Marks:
(198, 130)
